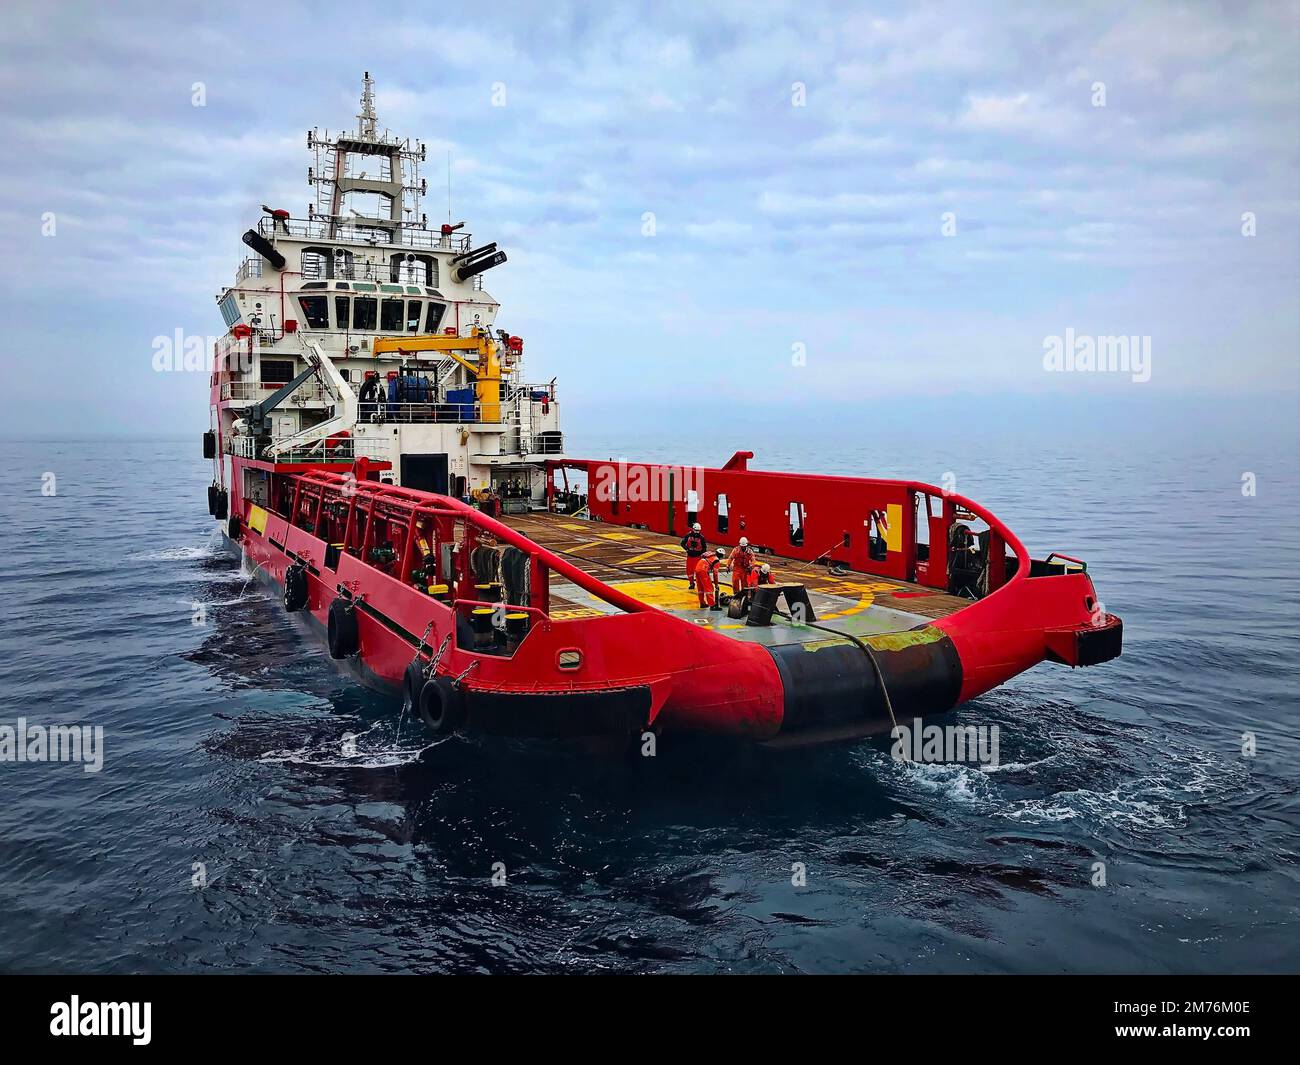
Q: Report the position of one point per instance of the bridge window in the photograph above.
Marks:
(277, 371)
(413, 308)
(363, 312)
(435, 316)
(796, 524)
(315, 309)
(390, 316)
(342, 312)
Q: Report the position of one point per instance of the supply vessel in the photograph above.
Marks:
(381, 458)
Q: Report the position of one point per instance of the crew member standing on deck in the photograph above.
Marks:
(741, 560)
(695, 546)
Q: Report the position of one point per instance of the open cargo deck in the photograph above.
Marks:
(649, 566)
(547, 625)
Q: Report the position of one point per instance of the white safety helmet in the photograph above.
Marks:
(764, 569)
(720, 552)
(695, 527)
(744, 541)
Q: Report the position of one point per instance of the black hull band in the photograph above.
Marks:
(832, 685)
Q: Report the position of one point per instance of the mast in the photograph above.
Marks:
(367, 119)
(366, 161)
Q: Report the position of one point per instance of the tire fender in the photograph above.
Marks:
(344, 639)
(441, 706)
(295, 588)
(413, 682)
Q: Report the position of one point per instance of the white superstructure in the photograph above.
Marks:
(388, 323)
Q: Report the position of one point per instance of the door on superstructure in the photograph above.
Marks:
(285, 426)
(428, 473)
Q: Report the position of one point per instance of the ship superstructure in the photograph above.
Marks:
(362, 331)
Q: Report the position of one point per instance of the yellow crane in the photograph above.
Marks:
(486, 371)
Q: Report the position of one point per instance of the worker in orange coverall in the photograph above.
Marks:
(761, 575)
(693, 543)
(741, 560)
(707, 578)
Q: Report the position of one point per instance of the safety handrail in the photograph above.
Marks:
(449, 506)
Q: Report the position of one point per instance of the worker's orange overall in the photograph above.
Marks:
(742, 561)
(705, 568)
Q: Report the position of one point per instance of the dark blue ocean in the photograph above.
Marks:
(333, 838)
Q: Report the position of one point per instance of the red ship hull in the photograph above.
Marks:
(587, 658)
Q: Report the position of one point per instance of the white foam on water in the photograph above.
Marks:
(250, 598)
(1017, 767)
(348, 752)
(954, 781)
(173, 554)
(1153, 802)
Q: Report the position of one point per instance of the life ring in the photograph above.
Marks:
(344, 640)
(441, 706)
(295, 588)
(413, 682)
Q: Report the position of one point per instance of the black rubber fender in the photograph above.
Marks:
(413, 682)
(344, 639)
(212, 500)
(233, 527)
(295, 588)
(222, 505)
(833, 684)
(441, 706)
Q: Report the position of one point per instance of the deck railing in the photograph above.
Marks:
(403, 236)
(251, 391)
(381, 413)
(250, 267)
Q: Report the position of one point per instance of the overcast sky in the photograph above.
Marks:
(801, 162)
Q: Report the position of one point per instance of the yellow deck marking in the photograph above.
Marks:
(617, 536)
(580, 547)
(664, 594)
(863, 586)
(638, 558)
(861, 605)
(575, 614)
(575, 528)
